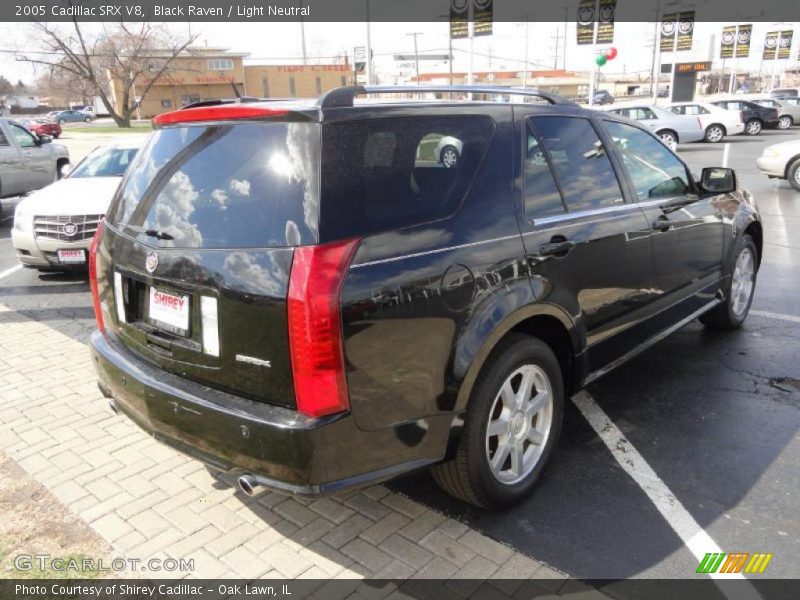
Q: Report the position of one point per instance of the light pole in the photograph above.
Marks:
(416, 52)
(368, 56)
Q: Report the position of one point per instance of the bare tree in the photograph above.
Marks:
(122, 56)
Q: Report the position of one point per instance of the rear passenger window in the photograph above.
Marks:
(542, 197)
(385, 174)
(579, 160)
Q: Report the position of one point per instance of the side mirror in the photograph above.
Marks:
(45, 139)
(717, 180)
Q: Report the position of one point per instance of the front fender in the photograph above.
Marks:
(739, 211)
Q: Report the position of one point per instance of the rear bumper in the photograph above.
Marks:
(283, 449)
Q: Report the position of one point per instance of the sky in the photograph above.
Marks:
(504, 50)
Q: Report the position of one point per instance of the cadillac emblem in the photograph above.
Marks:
(151, 264)
(70, 229)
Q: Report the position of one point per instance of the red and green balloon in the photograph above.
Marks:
(606, 56)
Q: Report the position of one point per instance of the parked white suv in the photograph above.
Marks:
(54, 227)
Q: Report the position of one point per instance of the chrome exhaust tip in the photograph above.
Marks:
(113, 406)
(247, 484)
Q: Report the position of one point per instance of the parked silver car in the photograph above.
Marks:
(788, 110)
(27, 161)
(671, 128)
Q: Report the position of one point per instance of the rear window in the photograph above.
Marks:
(249, 185)
(386, 174)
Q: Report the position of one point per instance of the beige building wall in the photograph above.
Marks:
(295, 81)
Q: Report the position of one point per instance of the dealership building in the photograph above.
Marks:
(211, 73)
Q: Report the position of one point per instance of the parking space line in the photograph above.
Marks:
(726, 152)
(693, 536)
(11, 271)
(772, 315)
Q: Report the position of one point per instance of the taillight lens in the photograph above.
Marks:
(218, 113)
(98, 312)
(741, 116)
(315, 329)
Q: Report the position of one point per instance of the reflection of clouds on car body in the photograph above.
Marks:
(301, 147)
(247, 273)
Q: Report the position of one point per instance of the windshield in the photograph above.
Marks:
(250, 185)
(105, 162)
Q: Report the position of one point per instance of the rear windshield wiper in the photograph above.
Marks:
(154, 233)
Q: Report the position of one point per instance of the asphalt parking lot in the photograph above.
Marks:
(715, 416)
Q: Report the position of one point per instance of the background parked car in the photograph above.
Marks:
(782, 161)
(27, 161)
(716, 121)
(72, 116)
(785, 93)
(755, 116)
(788, 112)
(43, 127)
(671, 128)
(53, 228)
(602, 97)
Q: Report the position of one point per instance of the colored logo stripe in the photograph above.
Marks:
(713, 562)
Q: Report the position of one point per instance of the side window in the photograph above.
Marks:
(386, 174)
(22, 136)
(579, 160)
(679, 110)
(655, 171)
(542, 197)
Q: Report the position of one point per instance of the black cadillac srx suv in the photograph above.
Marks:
(304, 295)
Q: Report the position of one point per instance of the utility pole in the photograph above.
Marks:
(368, 56)
(416, 51)
(558, 44)
(653, 71)
(564, 53)
(303, 36)
(525, 62)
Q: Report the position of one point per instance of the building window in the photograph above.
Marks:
(189, 99)
(166, 104)
(292, 88)
(265, 87)
(319, 86)
(344, 81)
(220, 64)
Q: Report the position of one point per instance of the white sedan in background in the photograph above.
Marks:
(54, 227)
(782, 161)
(717, 122)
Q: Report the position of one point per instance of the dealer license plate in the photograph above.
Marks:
(169, 311)
(71, 257)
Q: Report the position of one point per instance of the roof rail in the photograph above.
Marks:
(344, 96)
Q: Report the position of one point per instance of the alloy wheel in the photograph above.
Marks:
(753, 128)
(519, 424)
(785, 122)
(714, 134)
(449, 158)
(743, 281)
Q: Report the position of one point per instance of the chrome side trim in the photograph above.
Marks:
(258, 362)
(604, 210)
(650, 342)
(437, 251)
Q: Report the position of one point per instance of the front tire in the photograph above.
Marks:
(87, 120)
(732, 312)
(753, 127)
(62, 122)
(670, 138)
(449, 157)
(785, 122)
(714, 134)
(793, 175)
(513, 421)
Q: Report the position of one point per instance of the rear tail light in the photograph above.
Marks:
(741, 116)
(315, 329)
(699, 122)
(98, 312)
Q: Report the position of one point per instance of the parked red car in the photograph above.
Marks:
(42, 127)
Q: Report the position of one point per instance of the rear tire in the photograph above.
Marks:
(793, 174)
(87, 120)
(753, 127)
(670, 138)
(785, 122)
(714, 134)
(449, 157)
(525, 424)
(732, 312)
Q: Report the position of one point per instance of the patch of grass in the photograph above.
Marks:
(109, 129)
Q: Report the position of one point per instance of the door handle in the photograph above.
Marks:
(556, 247)
(662, 223)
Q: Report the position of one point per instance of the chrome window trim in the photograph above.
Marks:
(606, 210)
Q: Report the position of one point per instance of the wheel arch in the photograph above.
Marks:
(789, 164)
(549, 323)
(756, 231)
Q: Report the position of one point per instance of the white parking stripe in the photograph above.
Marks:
(10, 271)
(725, 154)
(693, 536)
(772, 315)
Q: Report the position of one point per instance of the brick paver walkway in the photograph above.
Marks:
(148, 500)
